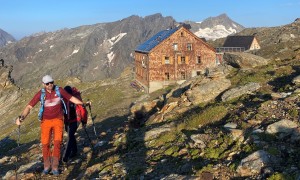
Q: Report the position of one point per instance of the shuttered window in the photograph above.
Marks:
(189, 46)
(167, 60)
(182, 60)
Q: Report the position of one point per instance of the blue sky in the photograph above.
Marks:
(25, 17)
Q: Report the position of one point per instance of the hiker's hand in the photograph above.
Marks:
(88, 103)
(19, 120)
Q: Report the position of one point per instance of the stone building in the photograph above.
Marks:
(172, 56)
(244, 42)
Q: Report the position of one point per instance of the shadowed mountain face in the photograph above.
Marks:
(5, 38)
(91, 52)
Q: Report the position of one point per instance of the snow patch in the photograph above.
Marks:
(40, 50)
(116, 38)
(110, 56)
(74, 52)
(218, 31)
(108, 46)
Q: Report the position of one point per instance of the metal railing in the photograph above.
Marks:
(230, 49)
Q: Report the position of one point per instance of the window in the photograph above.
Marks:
(198, 73)
(167, 60)
(167, 76)
(182, 75)
(182, 60)
(175, 47)
(198, 59)
(189, 46)
(181, 34)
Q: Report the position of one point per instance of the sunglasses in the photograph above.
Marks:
(47, 84)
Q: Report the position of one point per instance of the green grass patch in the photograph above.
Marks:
(207, 116)
(281, 176)
(163, 139)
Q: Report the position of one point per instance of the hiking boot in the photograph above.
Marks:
(73, 155)
(45, 171)
(64, 159)
(55, 172)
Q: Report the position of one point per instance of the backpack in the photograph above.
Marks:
(43, 98)
(81, 111)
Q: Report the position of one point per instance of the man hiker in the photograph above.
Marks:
(77, 114)
(51, 117)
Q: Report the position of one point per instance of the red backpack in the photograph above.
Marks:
(81, 112)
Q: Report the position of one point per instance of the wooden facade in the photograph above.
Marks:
(172, 56)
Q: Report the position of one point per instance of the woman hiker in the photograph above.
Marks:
(77, 114)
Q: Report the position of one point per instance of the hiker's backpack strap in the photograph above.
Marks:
(62, 101)
(43, 98)
(42, 101)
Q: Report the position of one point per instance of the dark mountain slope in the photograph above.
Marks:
(89, 52)
(5, 38)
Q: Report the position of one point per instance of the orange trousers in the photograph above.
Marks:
(49, 128)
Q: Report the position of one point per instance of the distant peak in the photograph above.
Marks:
(157, 15)
(224, 15)
(297, 20)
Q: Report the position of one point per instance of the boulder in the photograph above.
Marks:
(239, 91)
(244, 60)
(207, 90)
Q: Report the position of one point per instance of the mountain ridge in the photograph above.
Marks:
(89, 52)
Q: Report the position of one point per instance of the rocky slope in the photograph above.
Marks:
(245, 127)
(234, 123)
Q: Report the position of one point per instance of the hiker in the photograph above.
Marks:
(51, 117)
(77, 114)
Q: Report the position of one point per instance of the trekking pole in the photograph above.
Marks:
(19, 134)
(92, 120)
(88, 137)
(18, 141)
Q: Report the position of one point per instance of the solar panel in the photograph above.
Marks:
(155, 40)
